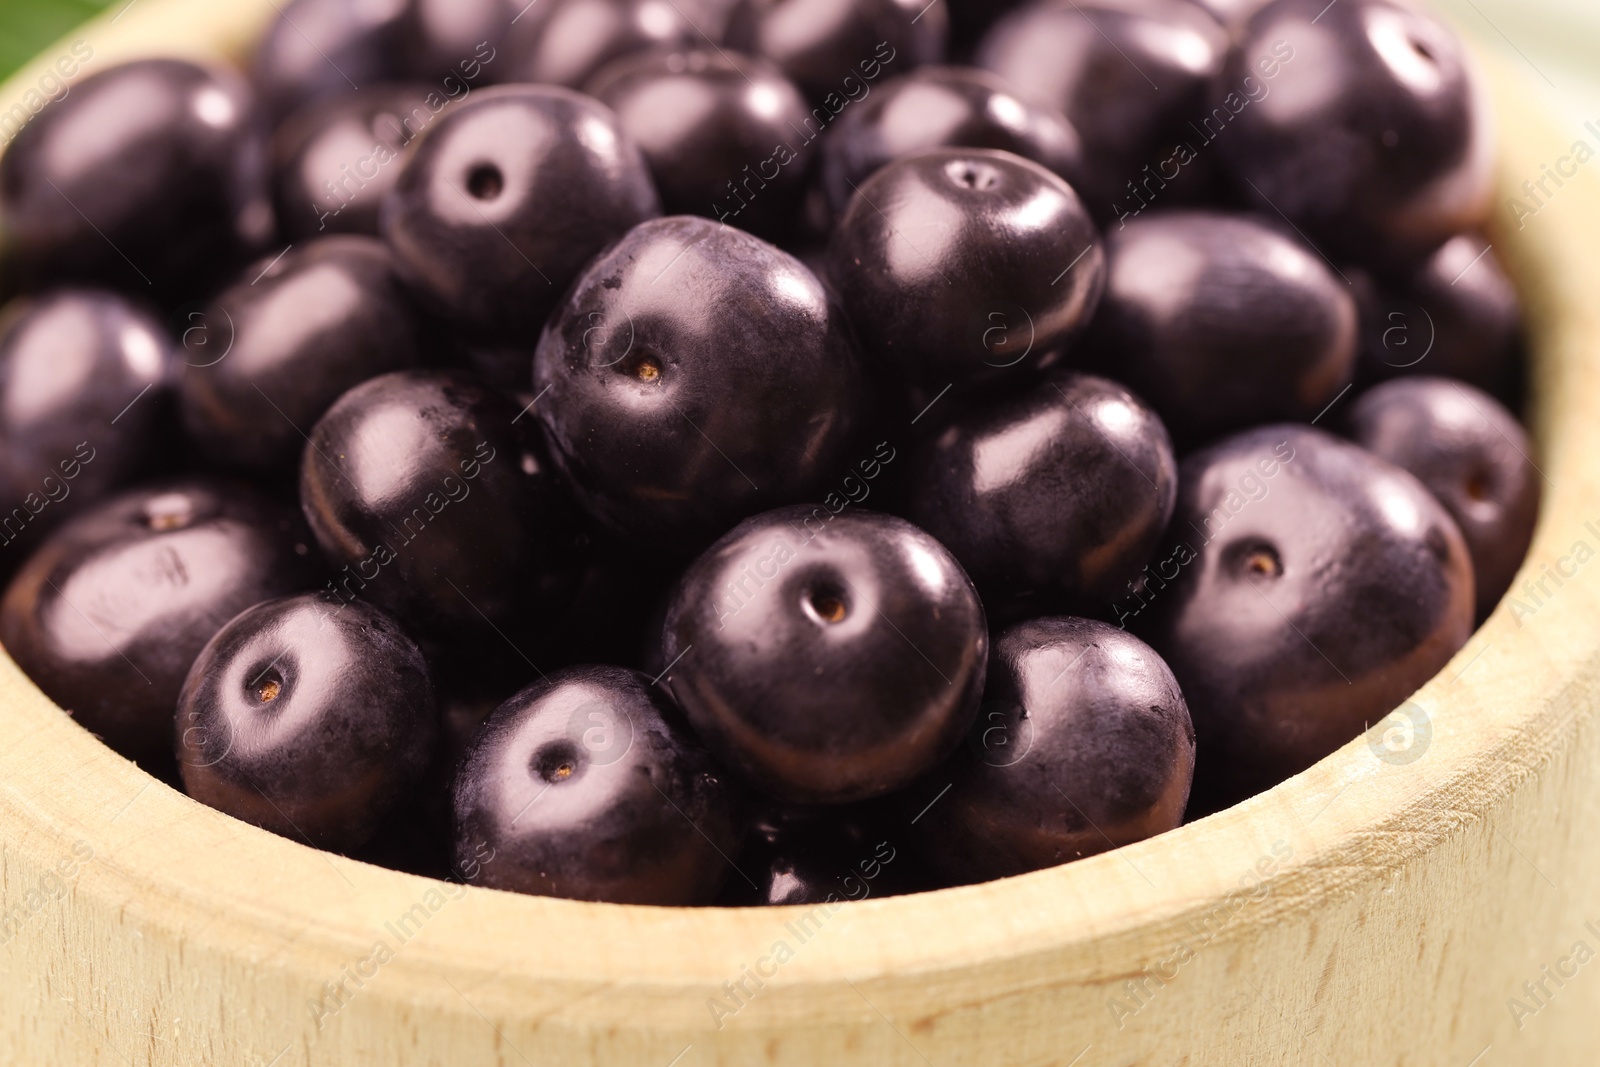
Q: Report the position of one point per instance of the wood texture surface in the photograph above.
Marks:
(1366, 912)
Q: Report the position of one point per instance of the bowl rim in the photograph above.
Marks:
(1278, 853)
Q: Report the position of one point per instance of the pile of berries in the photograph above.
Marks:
(756, 451)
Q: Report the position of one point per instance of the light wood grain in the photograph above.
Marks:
(1408, 903)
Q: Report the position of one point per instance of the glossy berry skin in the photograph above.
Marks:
(724, 135)
(1375, 139)
(507, 198)
(1456, 315)
(828, 660)
(149, 177)
(829, 46)
(943, 107)
(335, 161)
(460, 41)
(1130, 75)
(429, 501)
(583, 785)
(1223, 322)
(283, 343)
(85, 380)
(1310, 589)
(824, 856)
(1083, 744)
(309, 717)
(318, 49)
(1050, 499)
(710, 16)
(1472, 455)
(1233, 13)
(693, 375)
(571, 41)
(110, 612)
(966, 265)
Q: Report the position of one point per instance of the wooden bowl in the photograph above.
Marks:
(1369, 911)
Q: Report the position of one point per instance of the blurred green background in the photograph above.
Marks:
(27, 26)
(1554, 44)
